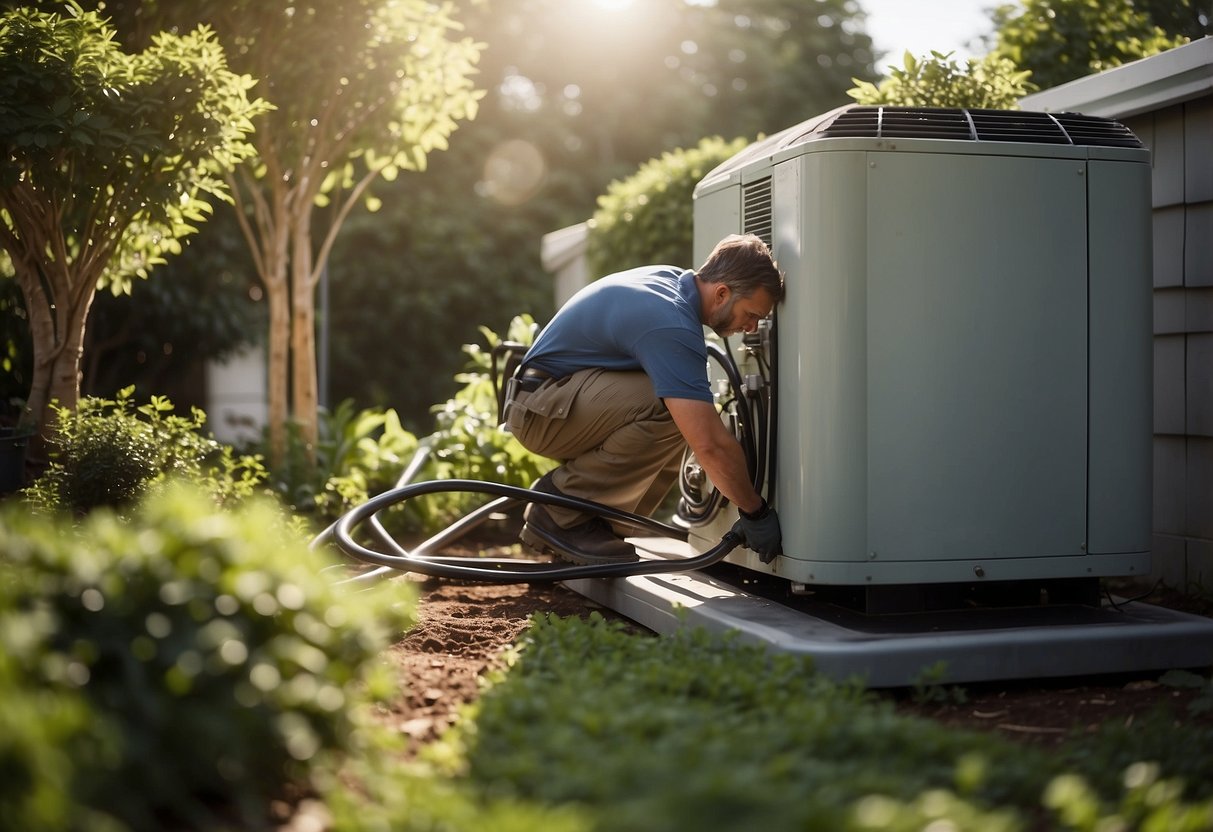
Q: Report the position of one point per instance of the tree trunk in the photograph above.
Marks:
(57, 325)
(304, 385)
(268, 237)
(277, 296)
(42, 334)
(303, 360)
(65, 372)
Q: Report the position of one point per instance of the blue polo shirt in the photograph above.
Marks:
(642, 319)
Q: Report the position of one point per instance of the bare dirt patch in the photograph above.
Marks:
(461, 633)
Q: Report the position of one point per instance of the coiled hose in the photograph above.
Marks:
(498, 570)
(395, 558)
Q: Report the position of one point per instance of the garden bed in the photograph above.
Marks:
(464, 627)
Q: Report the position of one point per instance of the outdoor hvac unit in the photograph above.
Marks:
(963, 362)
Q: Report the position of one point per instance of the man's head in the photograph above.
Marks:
(740, 284)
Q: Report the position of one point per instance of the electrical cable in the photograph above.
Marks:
(1117, 605)
(771, 434)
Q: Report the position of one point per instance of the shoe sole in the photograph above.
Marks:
(535, 541)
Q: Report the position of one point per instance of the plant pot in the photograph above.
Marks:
(12, 459)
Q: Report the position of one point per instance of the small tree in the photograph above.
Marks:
(993, 82)
(362, 89)
(105, 158)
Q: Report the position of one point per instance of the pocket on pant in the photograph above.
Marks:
(554, 400)
(515, 416)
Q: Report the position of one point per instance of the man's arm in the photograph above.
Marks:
(717, 450)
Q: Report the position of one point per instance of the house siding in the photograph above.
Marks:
(1180, 138)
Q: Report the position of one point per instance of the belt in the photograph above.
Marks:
(530, 379)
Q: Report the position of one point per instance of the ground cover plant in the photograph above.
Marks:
(695, 732)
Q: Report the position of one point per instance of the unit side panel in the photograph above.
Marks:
(822, 475)
(1121, 348)
(716, 215)
(977, 363)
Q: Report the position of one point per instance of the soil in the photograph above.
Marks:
(464, 627)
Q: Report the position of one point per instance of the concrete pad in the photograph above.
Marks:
(894, 650)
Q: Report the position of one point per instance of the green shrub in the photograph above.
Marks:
(211, 644)
(1107, 754)
(45, 733)
(467, 443)
(358, 454)
(109, 453)
(648, 217)
(992, 82)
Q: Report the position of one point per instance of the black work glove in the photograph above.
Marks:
(760, 531)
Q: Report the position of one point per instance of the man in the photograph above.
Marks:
(616, 386)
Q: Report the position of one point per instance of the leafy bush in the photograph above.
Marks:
(692, 731)
(359, 453)
(109, 453)
(1060, 40)
(993, 82)
(39, 729)
(373, 449)
(469, 442)
(208, 646)
(647, 218)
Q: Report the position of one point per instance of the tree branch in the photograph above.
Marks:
(335, 226)
(245, 228)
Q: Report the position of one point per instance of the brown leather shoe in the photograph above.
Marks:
(591, 543)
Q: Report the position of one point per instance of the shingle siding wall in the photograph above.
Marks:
(1180, 138)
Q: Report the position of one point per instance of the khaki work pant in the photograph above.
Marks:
(617, 440)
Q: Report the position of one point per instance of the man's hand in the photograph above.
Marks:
(760, 531)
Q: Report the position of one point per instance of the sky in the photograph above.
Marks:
(924, 25)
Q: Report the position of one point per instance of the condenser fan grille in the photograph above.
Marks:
(1013, 126)
(1097, 131)
(972, 125)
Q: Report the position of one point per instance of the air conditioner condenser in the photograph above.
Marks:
(959, 379)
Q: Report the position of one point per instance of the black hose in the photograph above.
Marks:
(771, 434)
(507, 570)
(755, 428)
(724, 357)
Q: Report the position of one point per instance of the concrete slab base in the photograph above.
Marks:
(967, 645)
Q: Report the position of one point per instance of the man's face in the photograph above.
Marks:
(734, 313)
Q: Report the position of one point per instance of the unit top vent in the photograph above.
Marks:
(951, 128)
(971, 125)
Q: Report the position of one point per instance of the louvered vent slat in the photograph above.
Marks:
(973, 125)
(756, 209)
